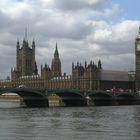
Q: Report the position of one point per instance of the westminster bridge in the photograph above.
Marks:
(72, 97)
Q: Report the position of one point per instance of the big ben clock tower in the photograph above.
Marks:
(137, 53)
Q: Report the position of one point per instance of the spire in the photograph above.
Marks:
(36, 70)
(91, 62)
(25, 34)
(41, 67)
(25, 41)
(72, 65)
(99, 64)
(56, 64)
(56, 46)
(56, 54)
(85, 64)
(18, 46)
(33, 44)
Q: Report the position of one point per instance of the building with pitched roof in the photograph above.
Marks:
(84, 77)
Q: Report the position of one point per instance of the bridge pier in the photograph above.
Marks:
(34, 103)
(101, 98)
(69, 98)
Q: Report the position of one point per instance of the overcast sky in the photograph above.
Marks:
(84, 30)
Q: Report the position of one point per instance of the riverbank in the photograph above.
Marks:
(9, 98)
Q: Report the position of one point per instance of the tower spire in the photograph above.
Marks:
(99, 64)
(33, 44)
(56, 46)
(26, 34)
(56, 64)
(18, 46)
(56, 54)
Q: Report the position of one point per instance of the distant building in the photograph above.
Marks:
(26, 72)
(118, 79)
(84, 77)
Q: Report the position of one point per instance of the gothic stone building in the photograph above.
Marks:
(84, 77)
(26, 73)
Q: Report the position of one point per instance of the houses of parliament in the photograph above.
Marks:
(84, 77)
(26, 72)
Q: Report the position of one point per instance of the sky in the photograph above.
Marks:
(83, 29)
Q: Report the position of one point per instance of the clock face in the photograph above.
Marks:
(138, 47)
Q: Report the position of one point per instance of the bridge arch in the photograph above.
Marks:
(70, 97)
(101, 98)
(32, 98)
(126, 98)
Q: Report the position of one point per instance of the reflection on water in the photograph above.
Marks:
(98, 123)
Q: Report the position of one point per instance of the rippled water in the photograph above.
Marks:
(82, 123)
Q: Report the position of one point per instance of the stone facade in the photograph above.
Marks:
(25, 61)
(84, 77)
(87, 76)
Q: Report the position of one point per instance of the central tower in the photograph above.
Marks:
(25, 59)
(56, 64)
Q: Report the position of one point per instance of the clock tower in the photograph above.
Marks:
(137, 54)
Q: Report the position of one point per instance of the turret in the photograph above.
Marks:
(99, 64)
(85, 64)
(56, 64)
(45, 72)
(72, 65)
(36, 70)
(25, 40)
(18, 46)
(56, 54)
(25, 44)
(33, 44)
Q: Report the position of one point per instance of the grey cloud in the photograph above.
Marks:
(76, 31)
(5, 21)
(73, 5)
(77, 37)
(119, 62)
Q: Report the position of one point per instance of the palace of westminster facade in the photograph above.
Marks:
(84, 77)
(26, 72)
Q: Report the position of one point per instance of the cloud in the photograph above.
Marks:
(83, 29)
(115, 42)
(110, 12)
(73, 5)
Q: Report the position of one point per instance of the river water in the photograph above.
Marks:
(71, 123)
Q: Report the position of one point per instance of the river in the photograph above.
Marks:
(69, 123)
